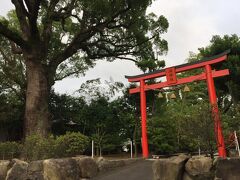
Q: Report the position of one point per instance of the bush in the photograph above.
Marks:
(36, 147)
(70, 144)
(9, 150)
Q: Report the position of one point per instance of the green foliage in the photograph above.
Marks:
(65, 38)
(183, 124)
(114, 29)
(228, 85)
(65, 108)
(109, 122)
(231, 121)
(36, 147)
(162, 135)
(11, 116)
(198, 129)
(70, 144)
(9, 150)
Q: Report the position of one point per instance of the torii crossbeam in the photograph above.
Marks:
(208, 75)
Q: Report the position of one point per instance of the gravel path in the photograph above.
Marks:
(136, 171)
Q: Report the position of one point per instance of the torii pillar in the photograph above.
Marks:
(215, 112)
(144, 119)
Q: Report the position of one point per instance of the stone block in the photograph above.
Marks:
(169, 169)
(18, 170)
(61, 169)
(4, 167)
(87, 167)
(35, 170)
(200, 168)
(228, 169)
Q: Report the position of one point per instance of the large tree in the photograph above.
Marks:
(231, 84)
(69, 35)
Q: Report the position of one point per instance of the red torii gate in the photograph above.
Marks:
(172, 80)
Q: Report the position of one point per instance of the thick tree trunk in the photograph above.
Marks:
(37, 94)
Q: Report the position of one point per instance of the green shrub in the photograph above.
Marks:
(70, 144)
(36, 147)
(9, 150)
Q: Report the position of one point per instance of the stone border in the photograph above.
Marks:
(74, 168)
(196, 168)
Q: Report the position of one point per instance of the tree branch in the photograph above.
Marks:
(126, 58)
(33, 8)
(227, 106)
(15, 49)
(64, 12)
(13, 36)
(47, 24)
(59, 78)
(22, 17)
(83, 36)
(9, 71)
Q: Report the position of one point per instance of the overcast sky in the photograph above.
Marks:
(192, 23)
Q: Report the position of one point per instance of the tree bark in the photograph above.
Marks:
(37, 95)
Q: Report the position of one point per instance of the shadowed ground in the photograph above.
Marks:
(137, 171)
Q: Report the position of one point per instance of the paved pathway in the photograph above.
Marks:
(137, 171)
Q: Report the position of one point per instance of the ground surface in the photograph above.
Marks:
(137, 171)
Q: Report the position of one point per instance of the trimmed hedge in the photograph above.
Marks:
(36, 147)
(9, 150)
(71, 144)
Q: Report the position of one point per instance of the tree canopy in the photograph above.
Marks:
(54, 39)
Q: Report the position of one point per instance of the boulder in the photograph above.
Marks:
(99, 160)
(35, 170)
(186, 176)
(169, 169)
(87, 167)
(4, 167)
(199, 168)
(61, 169)
(228, 169)
(18, 170)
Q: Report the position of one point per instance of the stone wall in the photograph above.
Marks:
(196, 168)
(75, 168)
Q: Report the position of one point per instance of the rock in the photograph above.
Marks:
(169, 169)
(61, 169)
(18, 170)
(232, 153)
(35, 170)
(199, 168)
(87, 167)
(186, 176)
(4, 167)
(216, 160)
(99, 159)
(228, 169)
